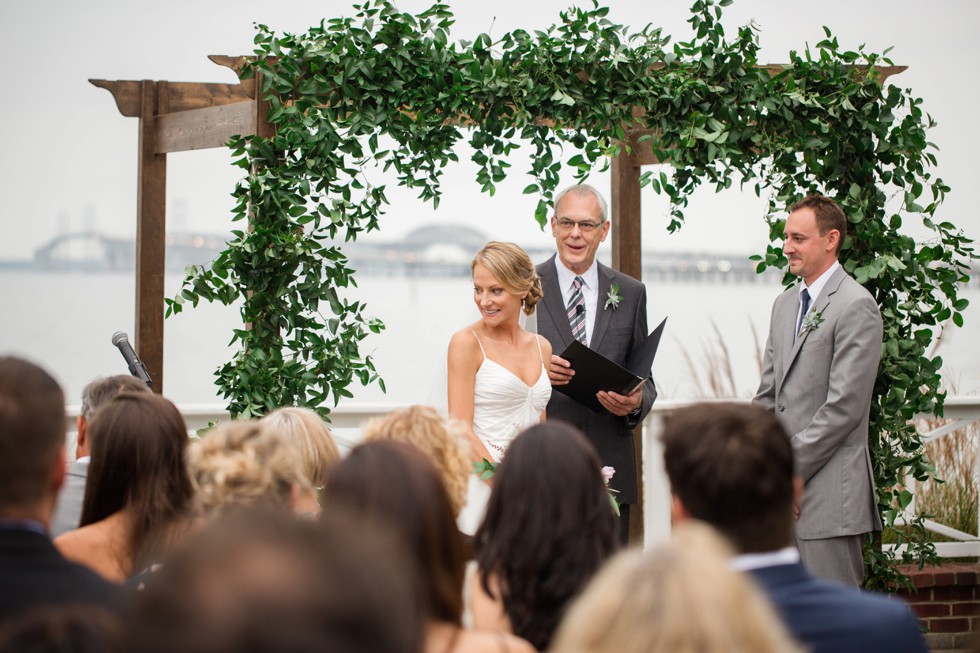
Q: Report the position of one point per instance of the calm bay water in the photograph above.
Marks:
(65, 320)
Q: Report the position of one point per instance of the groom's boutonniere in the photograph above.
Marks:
(811, 321)
(613, 298)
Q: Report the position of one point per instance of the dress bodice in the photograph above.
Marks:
(503, 405)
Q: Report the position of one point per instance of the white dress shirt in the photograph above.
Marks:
(590, 289)
(815, 289)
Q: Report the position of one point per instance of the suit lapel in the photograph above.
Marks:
(606, 276)
(554, 305)
(833, 284)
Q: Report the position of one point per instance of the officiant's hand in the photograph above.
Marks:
(561, 371)
(621, 405)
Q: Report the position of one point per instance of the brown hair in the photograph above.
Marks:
(138, 442)
(394, 485)
(442, 440)
(731, 465)
(828, 213)
(32, 431)
(261, 580)
(549, 527)
(513, 269)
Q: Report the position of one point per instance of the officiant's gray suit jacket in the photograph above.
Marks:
(819, 384)
(615, 334)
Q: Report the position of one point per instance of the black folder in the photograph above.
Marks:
(595, 372)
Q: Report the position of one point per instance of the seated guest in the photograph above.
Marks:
(394, 485)
(312, 438)
(680, 597)
(259, 580)
(63, 629)
(731, 465)
(443, 441)
(32, 469)
(549, 527)
(138, 495)
(243, 464)
(68, 511)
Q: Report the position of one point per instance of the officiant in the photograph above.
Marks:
(605, 310)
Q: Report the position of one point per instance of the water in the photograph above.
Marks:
(64, 321)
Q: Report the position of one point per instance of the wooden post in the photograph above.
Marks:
(626, 257)
(151, 233)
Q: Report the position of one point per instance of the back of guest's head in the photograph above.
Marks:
(102, 389)
(138, 442)
(261, 580)
(242, 464)
(64, 629)
(549, 526)
(312, 438)
(731, 465)
(32, 432)
(442, 440)
(513, 269)
(681, 597)
(392, 483)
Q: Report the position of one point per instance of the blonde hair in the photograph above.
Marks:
(442, 440)
(513, 269)
(312, 437)
(681, 597)
(241, 464)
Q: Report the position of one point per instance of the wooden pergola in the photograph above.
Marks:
(183, 116)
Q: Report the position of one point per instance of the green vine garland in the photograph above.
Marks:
(391, 90)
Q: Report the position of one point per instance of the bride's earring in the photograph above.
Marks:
(522, 304)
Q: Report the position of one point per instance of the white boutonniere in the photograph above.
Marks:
(612, 297)
(811, 321)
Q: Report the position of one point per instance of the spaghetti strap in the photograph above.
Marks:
(481, 344)
(537, 339)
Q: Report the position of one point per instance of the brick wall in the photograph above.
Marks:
(947, 602)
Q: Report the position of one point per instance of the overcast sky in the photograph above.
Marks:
(68, 160)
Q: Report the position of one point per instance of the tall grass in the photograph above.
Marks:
(951, 498)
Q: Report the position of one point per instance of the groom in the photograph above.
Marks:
(818, 375)
(607, 311)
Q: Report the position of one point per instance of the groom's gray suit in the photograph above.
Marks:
(820, 384)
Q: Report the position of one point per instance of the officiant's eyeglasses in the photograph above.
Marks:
(585, 226)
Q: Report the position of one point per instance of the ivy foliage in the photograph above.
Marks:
(390, 90)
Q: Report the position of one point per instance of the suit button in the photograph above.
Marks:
(781, 408)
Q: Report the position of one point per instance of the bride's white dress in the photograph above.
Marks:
(503, 406)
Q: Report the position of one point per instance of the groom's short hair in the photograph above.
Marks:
(828, 213)
(731, 465)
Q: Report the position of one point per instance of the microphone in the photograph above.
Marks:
(580, 308)
(136, 367)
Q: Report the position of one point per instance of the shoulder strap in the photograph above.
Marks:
(537, 339)
(481, 344)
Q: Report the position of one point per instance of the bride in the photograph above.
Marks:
(497, 378)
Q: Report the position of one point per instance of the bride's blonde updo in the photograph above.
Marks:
(513, 269)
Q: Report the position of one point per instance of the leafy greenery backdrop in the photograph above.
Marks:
(390, 90)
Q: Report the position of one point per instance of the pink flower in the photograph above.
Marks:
(607, 473)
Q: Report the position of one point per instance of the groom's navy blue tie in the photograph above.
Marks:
(804, 307)
(576, 310)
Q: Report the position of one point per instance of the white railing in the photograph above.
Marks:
(346, 422)
(961, 412)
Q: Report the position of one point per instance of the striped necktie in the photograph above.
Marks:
(576, 310)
